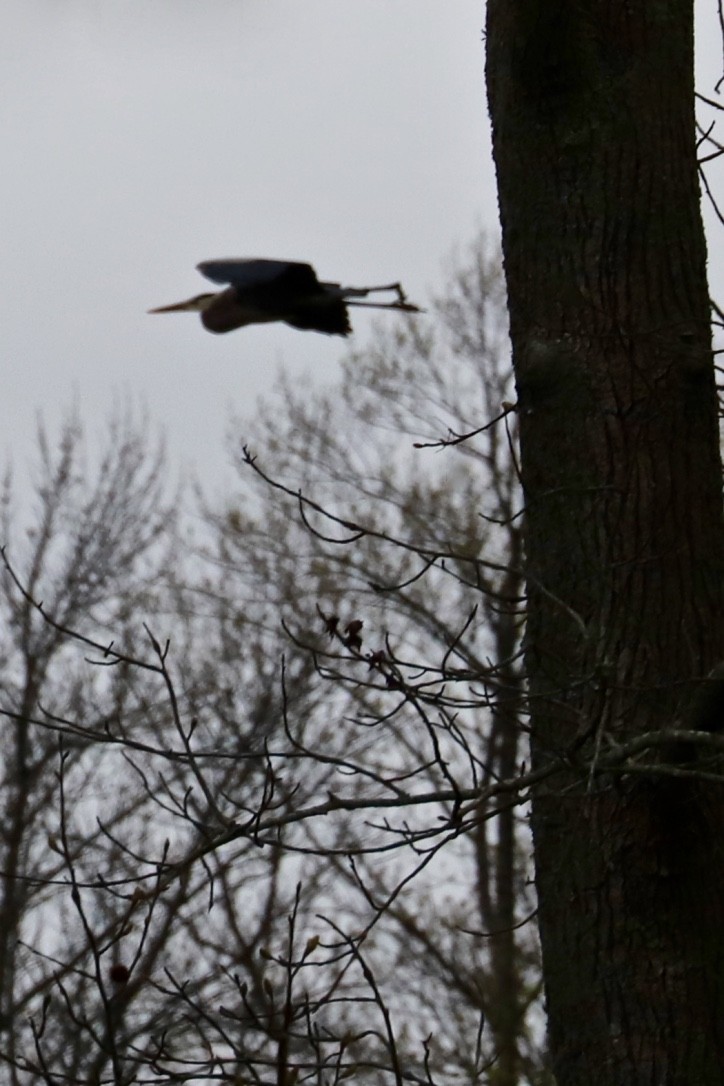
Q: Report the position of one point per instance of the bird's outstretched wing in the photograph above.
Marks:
(252, 273)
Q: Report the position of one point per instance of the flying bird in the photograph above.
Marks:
(259, 291)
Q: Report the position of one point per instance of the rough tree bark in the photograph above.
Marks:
(593, 117)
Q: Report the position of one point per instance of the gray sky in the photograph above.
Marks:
(141, 136)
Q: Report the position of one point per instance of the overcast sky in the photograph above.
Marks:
(141, 136)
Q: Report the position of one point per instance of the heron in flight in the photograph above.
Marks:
(258, 291)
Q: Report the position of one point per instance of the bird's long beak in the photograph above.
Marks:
(169, 308)
(194, 305)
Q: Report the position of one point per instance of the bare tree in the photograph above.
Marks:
(106, 808)
(408, 559)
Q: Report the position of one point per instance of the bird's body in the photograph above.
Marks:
(260, 291)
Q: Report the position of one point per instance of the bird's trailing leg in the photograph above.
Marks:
(361, 292)
(403, 307)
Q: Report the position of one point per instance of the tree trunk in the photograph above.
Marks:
(593, 124)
